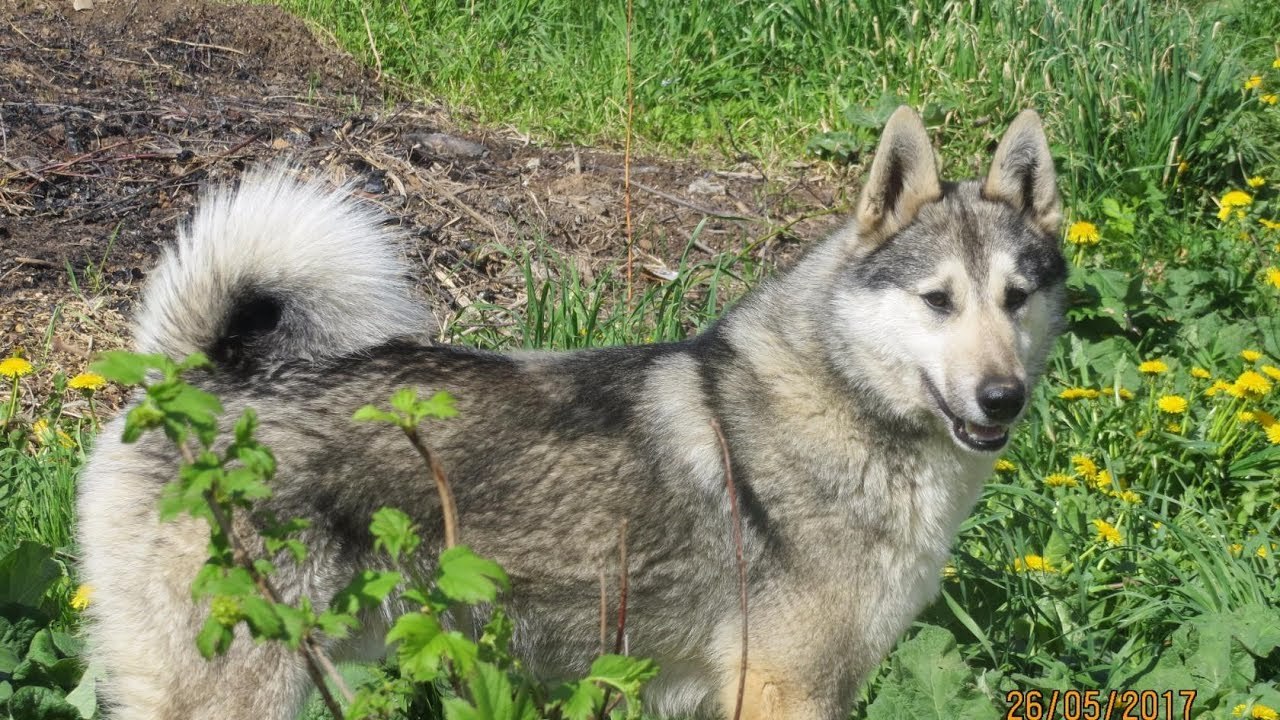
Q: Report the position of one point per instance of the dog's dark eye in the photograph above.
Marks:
(938, 300)
(1014, 298)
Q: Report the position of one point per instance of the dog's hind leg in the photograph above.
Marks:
(142, 622)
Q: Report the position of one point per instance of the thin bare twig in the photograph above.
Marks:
(619, 642)
(604, 614)
(377, 59)
(710, 212)
(188, 43)
(742, 562)
(626, 158)
(447, 504)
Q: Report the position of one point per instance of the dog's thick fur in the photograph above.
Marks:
(864, 395)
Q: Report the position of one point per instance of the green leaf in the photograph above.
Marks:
(336, 625)
(440, 406)
(199, 408)
(1257, 627)
(578, 700)
(295, 622)
(404, 400)
(492, 698)
(465, 577)
(214, 639)
(368, 589)
(84, 697)
(625, 674)
(495, 642)
(425, 645)
(928, 680)
(26, 573)
(193, 361)
(393, 531)
(415, 632)
(369, 413)
(126, 368)
(41, 703)
(140, 419)
(262, 617)
(8, 660)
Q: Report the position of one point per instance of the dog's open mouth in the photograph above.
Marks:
(982, 438)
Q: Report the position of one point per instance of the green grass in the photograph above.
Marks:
(1151, 125)
(1122, 83)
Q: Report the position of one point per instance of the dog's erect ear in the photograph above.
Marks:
(903, 177)
(1022, 173)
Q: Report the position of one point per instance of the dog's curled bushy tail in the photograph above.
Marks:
(275, 269)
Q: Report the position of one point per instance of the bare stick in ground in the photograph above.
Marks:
(626, 158)
(742, 562)
(619, 642)
(447, 505)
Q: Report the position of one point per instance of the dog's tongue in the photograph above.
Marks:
(983, 432)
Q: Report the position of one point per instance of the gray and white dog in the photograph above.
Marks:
(864, 395)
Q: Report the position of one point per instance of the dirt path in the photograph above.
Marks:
(112, 118)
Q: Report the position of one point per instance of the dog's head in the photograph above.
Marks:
(951, 294)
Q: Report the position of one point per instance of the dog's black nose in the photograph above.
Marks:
(1002, 398)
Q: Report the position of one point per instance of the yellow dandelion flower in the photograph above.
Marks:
(40, 429)
(1200, 373)
(1217, 387)
(1256, 181)
(1005, 466)
(1254, 82)
(1271, 371)
(1273, 277)
(1245, 416)
(1269, 224)
(1033, 563)
(1125, 394)
(1153, 367)
(87, 381)
(1060, 480)
(949, 572)
(1172, 427)
(1264, 418)
(1235, 549)
(1273, 434)
(1102, 480)
(1183, 166)
(1262, 551)
(1128, 496)
(80, 600)
(1252, 383)
(1260, 712)
(1108, 532)
(1078, 393)
(1157, 525)
(1083, 233)
(1270, 98)
(15, 367)
(1276, 63)
(1085, 466)
(1172, 404)
(1251, 355)
(1234, 200)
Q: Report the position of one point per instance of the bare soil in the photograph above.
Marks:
(112, 118)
